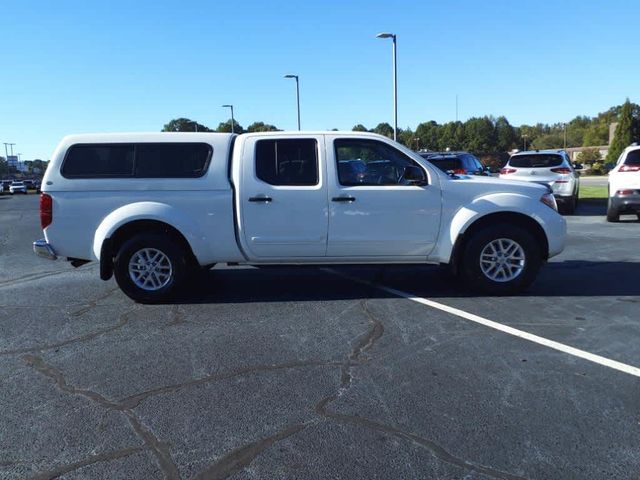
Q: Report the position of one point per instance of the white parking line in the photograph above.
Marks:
(576, 352)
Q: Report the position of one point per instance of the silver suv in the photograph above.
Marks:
(547, 167)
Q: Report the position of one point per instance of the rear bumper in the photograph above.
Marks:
(626, 203)
(44, 250)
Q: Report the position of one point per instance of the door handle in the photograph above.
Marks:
(343, 198)
(260, 198)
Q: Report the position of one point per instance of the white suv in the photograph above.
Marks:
(17, 187)
(624, 185)
(547, 167)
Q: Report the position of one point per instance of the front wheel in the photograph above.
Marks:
(501, 259)
(150, 267)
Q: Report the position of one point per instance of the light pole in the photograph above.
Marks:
(564, 131)
(297, 94)
(524, 138)
(395, 82)
(5, 148)
(232, 120)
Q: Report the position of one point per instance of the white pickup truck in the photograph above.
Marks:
(153, 207)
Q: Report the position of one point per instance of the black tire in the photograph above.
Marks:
(613, 214)
(172, 251)
(472, 271)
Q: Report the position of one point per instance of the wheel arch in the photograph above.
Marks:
(512, 218)
(126, 221)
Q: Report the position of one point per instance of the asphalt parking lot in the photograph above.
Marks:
(320, 373)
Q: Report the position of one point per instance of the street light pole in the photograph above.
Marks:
(297, 94)
(524, 138)
(5, 148)
(395, 82)
(564, 128)
(232, 120)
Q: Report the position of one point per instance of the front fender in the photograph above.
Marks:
(157, 211)
(462, 218)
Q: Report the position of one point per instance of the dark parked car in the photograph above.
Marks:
(463, 163)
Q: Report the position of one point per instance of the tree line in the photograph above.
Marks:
(486, 135)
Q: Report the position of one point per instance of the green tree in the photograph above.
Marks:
(185, 125)
(384, 129)
(589, 156)
(359, 128)
(406, 136)
(429, 135)
(262, 127)
(225, 127)
(505, 135)
(624, 132)
(548, 141)
(452, 136)
(480, 135)
(596, 134)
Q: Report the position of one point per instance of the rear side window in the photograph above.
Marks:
(88, 161)
(141, 160)
(174, 160)
(541, 160)
(287, 162)
(633, 158)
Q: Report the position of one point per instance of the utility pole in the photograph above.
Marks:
(456, 108)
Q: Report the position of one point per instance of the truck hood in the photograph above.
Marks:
(474, 186)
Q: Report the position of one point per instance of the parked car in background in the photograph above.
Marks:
(547, 167)
(624, 185)
(29, 184)
(463, 163)
(1, 188)
(6, 184)
(17, 187)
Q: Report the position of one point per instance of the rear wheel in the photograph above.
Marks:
(570, 207)
(501, 259)
(150, 267)
(613, 214)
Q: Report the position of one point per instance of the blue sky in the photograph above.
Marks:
(93, 66)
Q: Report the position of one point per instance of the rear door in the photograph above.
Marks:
(373, 210)
(283, 197)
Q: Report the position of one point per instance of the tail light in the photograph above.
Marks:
(459, 171)
(507, 170)
(562, 170)
(629, 168)
(46, 210)
(623, 193)
(549, 200)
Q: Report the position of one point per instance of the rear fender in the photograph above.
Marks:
(157, 211)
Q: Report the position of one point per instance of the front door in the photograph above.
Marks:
(374, 211)
(283, 198)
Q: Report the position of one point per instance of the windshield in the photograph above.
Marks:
(536, 160)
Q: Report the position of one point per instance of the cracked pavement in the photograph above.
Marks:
(300, 373)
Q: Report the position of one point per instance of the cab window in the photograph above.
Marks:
(287, 162)
(370, 162)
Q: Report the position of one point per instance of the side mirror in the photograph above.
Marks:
(414, 175)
